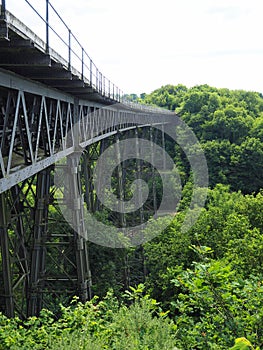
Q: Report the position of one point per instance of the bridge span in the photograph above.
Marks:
(49, 111)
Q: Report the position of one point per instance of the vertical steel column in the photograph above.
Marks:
(80, 233)
(37, 269)
(47, 26)
(82, 63)
(85, 162)
(89, 157)
(87, 173)
(102, 147)
(163, 147)
(69, 49)
(90, 72)
(23, 233)
(77, 207)
(121, 189)
(140, 249)
(152, 167)
(6, 264)
(139, 174)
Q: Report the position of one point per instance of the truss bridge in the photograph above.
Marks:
(57, 111)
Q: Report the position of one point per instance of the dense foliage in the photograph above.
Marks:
(97, 325)
(229, 126)
(211, 278)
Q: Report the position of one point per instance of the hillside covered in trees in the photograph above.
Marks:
(201, 289)
(229, 125)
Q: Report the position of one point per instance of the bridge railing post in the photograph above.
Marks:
(47, 26)
(82, 63)
(90, 71)
(97, 78)
(69, 49)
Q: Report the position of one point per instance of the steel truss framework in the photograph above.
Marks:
(38, 127)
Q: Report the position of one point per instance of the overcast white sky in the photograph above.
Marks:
(143, 44)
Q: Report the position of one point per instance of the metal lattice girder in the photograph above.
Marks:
(89, 157)
(67, 264)
(36, 126)
(43, 258)
(17, 217)
(129, 167)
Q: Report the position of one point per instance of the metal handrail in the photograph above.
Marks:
(89, 71)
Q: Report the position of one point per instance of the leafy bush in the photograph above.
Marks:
(97, 325)
(215, 305)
